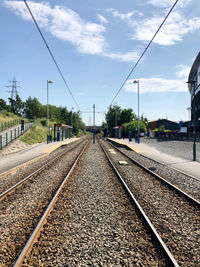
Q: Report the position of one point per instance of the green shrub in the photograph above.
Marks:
(43, 122)
(133, 125)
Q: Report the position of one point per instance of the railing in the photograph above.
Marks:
(177, 136)
(9, 136)
(8, 124)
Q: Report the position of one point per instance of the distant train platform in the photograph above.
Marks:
(19, 157)
(171, 155)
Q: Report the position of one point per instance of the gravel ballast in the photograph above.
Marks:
(12, 177)
(93, 223)
(176, 220)
(21, 210)
(185, 182)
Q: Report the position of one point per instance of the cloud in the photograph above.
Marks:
(64, 24)
(169, 3)
(183, 72)
(102, 19)
(127, 57)
(124, 16)
(172, 32)
(157, 85)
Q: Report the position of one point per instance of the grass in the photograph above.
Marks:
(6, 116)
(37, 134)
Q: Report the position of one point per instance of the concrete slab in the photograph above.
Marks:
(186, 166)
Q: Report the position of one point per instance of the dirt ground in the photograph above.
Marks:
(14, 147)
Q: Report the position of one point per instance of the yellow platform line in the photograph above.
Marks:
(129, 145)
(49, 150)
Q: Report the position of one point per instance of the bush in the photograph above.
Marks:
(43, 122)
(36, 134)
(133, 125)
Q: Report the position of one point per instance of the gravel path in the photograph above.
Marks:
(15, 175)
(94, 223)
(21, 211)
(175, 219)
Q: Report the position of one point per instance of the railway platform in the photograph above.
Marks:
(30, 154)
(181, 164)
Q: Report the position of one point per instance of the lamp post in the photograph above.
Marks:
(192, 82)
(138, 139)
(48, 82)
(72, 120)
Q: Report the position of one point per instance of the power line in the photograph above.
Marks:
(50, 53)
(144, 51)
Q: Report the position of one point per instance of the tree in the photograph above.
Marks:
(3, 105)
(63, 115)
(104, 128)
(116, 115)
(32, 108)
(17, 105)
(77, 123)
(127, 115)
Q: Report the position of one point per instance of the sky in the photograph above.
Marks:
(96, 43)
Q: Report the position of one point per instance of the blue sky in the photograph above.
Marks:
(96, 43)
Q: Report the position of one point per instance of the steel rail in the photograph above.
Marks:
(21, 182)
(43, 219)
(187, 196)
(165, 249)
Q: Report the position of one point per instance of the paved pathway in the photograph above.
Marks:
(176, 154)
(12, 133)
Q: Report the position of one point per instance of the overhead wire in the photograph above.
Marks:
(59, 70)
(144, 51)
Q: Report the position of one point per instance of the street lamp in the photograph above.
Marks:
(48, 82)
(138, 111)
(72, 120)
(194, 117)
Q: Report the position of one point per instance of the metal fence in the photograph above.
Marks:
(177, 136)
(10, 135)
(8, 124)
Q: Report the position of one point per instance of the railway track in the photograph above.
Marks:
(93, 222)
(22, 209)
(174, 214)
(15, 178)
(190, 185)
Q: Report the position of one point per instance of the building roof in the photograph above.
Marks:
(193, 70)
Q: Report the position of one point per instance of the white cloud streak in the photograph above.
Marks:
(102, 19)
(127, 57)
(65, 24)
(169, 3)
(158, 85)
(128, 17)
(173, 31)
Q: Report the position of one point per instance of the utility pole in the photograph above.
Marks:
(94, 124)
(72, 121)
(116, 116)
(13, 92)
(48, 82)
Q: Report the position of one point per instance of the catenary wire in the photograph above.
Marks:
(50, 53)
(144, 51)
